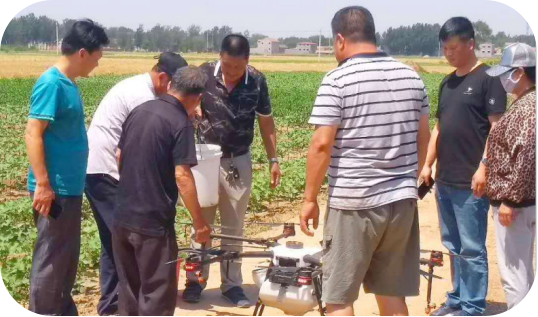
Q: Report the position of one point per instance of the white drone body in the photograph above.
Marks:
(292, 300)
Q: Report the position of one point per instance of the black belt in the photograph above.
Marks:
(235, 154)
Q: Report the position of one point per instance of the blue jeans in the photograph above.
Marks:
(464, 221)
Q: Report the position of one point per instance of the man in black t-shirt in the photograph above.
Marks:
(155, 156)
(470, 104)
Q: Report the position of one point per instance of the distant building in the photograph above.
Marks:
(325, 50)
(282, 48)
(485, 50)
(303, 48)
(267, 46)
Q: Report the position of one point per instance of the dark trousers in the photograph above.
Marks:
(147, 284)
(101, 192)
(55, 259)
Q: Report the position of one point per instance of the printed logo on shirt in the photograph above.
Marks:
(492, 101)
(469, 91)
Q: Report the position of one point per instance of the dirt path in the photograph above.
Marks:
(213, 304)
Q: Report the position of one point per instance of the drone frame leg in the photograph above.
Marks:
(318, 292)
(429, 306)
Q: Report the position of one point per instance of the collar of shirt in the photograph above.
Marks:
(364, 55)
(218, 74)
(173, 100)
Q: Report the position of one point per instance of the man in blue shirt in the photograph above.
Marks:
(57, 148)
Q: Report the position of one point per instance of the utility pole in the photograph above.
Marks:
(207, 41)
(319, 47)
(57, 40)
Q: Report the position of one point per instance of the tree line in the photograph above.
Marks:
(417, 39)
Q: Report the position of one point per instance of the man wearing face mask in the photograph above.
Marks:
(470, 104)
(236, 95)
(102, 174)
(511, 180)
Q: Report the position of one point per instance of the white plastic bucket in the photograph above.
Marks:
(206, 174)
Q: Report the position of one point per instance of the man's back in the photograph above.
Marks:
(106, 127)
(377, 103)
(157, 136)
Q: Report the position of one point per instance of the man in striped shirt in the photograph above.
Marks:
(371, 118)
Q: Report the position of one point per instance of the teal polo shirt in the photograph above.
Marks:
(55, 98)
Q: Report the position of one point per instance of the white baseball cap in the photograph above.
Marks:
(514, 56)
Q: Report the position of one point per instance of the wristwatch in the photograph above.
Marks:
(485, 161)
(274, 160)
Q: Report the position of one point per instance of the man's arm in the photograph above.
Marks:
(187, 189)
(478, 184)
(319, 157)
(118, 158)
(44, 195)
(422, 140)
(431, 156)
(268, 133)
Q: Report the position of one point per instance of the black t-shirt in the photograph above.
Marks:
(229, 117)
(464, 106)
(157, 136)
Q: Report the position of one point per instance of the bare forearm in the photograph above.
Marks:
(268, 133)
(318, 160)
(189, 195)
(36, 155)
(317, 164)
(431, 156)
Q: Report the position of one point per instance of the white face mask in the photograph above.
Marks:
(508, 83)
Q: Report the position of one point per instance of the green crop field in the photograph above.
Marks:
(292, 95)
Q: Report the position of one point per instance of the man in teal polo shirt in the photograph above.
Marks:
(58, 152)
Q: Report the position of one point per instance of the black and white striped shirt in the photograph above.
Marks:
(376, 102)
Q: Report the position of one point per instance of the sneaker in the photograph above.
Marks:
(445, 310)
(236, 296)
(192, 292)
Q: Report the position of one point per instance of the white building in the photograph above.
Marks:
(267, 46)
(303, 48)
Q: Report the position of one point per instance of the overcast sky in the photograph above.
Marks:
(277, 18)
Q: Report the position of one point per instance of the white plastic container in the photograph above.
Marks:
(295, 301)
(206, 174)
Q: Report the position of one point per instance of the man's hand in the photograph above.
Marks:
(202, 231)
(276, 174)
(425, 175)
(507, 215)
(309, 211)
(43, 198)
(478, 184)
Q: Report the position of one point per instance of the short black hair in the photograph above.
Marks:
(355, 23)
(235, 45)
(530, 72)
(84, 34)
(457, 26)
